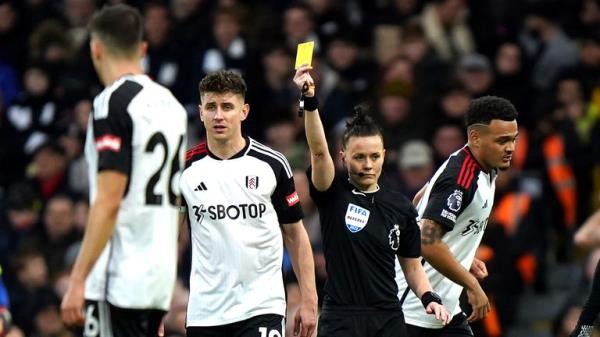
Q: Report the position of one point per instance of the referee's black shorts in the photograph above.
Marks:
(458, 327)
(103, 319)
(361, 323)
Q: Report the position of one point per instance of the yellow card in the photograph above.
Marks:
(304, 54)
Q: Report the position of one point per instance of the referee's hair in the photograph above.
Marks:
(119, 27)
(484, 109)
(360, 125)
(223, 81)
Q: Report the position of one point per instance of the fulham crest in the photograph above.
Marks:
(252, 182)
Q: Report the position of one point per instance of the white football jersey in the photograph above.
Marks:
(235, 208)
(138, 128)
(459, 197)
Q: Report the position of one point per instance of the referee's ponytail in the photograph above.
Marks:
(360, 125)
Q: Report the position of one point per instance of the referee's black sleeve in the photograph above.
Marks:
(410, 237)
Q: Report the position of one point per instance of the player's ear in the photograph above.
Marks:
(96, 49)
(474, 136)
(200, 112)
(143, 47)
(245, 111)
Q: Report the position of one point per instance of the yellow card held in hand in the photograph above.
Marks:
(304, 53)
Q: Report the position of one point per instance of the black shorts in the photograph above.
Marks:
(353, 323)
(270, 325)
(458, 327)
(103, 319)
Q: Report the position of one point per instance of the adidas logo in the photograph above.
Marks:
(201, 187)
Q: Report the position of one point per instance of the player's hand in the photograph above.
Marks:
(479, 303)
(302, 78)
(478, 269)
(306, 319)
(71, 308)
(440, 312)
(5, 321)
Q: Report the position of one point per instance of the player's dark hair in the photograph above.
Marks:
(484, 109)
(360, 125)
(119, 28)
(223, 81)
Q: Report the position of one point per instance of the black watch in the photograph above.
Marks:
(429, 297)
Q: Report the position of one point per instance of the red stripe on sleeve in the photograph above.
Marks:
(471, 176)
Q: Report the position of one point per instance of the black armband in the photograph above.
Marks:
(429, 297)
(308, 103)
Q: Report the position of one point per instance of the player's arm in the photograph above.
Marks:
(419, 195)
(415, 275)
(323, 169)
(99, 229)
(588, 235)
(298, 246)
(591, 309)
(437, 253)
(5, 317)
(419, 283)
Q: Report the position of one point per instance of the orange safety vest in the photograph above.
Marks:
(561, 177)
(508, 213)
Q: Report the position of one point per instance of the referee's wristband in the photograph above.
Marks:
(429, 297)
(310, 103)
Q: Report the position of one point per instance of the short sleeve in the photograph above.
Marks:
(113, 131)
(410, 236)
(321, 198)
(285, 199)
(447, 201)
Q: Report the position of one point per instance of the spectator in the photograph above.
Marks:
(227, 49)
(445, 25)
(447, 138)
(163, 61)
(299, 26)
(415, 165)
(475, 74)
(511, 79)
(48, 169)
(23, 209)
(59, 234)
(546, 45)
(31, 121)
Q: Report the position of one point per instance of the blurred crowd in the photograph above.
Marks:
(415, 63)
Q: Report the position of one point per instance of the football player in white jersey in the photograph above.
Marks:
(242, 207)
(453, 212)
(126, 267)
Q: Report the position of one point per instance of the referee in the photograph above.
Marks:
(364, 228)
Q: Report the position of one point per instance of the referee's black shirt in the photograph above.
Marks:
(362, 234)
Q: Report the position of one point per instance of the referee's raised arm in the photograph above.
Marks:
(323, 170)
